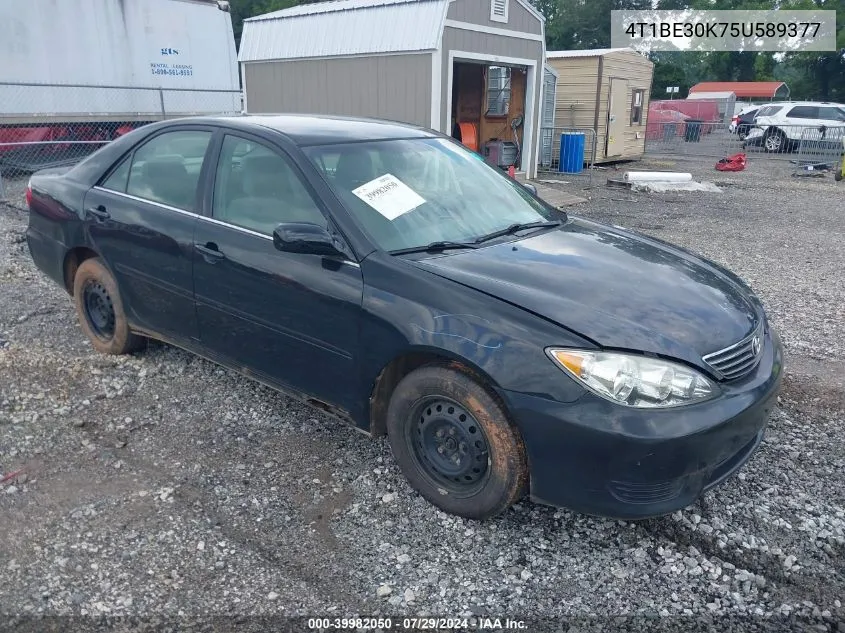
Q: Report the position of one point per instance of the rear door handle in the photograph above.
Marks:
(210, 252)
(98, 213)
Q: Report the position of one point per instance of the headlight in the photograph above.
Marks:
(635, 381)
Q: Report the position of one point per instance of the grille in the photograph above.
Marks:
(731, 463)
(739, 359)
(642, 493)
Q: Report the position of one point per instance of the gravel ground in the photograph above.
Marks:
(160, 484)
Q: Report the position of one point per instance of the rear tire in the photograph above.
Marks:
(455, 443)
(100, 310)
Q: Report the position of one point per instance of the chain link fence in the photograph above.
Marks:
(800, 144)
(820, 150)
(43, 126)
(567, 154)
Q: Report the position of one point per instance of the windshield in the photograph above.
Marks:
(408, 193)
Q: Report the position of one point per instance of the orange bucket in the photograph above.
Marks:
(469, 135)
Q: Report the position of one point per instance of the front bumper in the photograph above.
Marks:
(596, 457)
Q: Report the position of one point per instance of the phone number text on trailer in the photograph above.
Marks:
(174, 70)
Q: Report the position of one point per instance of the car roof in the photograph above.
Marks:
(804, 103)
(308, 129)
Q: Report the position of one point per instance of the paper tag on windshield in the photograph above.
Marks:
(389, 196)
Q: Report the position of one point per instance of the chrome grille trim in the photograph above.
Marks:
(737, 360)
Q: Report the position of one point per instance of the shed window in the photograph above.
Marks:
(498, 90)
(637, 107)
(499, 10)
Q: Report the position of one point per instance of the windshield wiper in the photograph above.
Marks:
(434, 247)
(513, 228)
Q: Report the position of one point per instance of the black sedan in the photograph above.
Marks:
(390, 277)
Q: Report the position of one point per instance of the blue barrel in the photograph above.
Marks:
(572, 152)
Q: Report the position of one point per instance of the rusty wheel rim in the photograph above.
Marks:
(450, 446)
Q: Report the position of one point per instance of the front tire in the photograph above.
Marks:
(775, 142)
(100, 310)
(455, 443)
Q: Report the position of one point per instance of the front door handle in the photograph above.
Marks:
(210, 252)
(98, 213)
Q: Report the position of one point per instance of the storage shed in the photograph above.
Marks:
(771, 90)
(725, 101)
(606, 90)
(469, 68)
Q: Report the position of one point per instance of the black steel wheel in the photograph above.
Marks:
(455, 443)
(450, 446)
(99, 309)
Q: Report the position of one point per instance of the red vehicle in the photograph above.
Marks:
(12, 136)
(698, 109)
(665, 124)
(28, 147)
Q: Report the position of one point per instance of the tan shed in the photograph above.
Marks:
(607, 90)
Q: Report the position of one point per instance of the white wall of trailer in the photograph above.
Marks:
(176, 45)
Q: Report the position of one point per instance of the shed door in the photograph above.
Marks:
(617, 108)
(547, 131)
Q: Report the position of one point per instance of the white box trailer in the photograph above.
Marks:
(115, 60)
(75, 74)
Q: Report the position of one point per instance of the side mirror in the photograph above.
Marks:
(531, 188)
(305, 238)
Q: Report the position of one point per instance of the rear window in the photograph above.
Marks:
(830, 113)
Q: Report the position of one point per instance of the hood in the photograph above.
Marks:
(617, 288)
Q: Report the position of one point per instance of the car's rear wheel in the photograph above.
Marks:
(775, 142)
(455, 443)
(100, 310)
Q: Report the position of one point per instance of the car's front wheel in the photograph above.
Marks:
(775, 142)
(100, 310)
(455, 443)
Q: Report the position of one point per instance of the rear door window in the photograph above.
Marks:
(167, 168)
(118, 178)
(803, 112)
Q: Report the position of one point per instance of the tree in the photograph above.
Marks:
(583, 24)
(810, 75)
(668, 73)
(243, 9)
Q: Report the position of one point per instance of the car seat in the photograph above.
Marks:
(355, 168)
(166, 180)
(273, 195)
